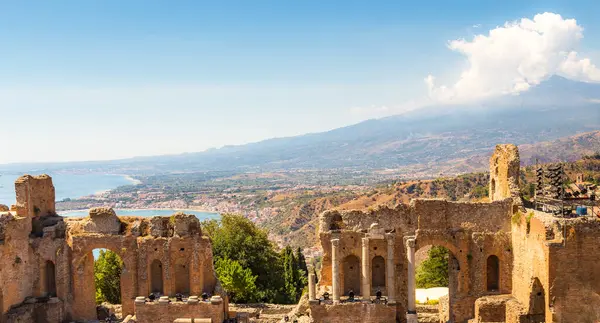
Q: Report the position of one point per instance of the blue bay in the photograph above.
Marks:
(66, 185)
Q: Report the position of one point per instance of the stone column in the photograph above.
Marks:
(411, 315)
(335, 270)
(366, 277)
(312, 295)
(390, 266)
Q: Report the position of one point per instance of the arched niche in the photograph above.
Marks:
(50, 279)
(537, 299)
(378, 272)
(182, 276)
(493, 274)
(156, 277)
(352, 275)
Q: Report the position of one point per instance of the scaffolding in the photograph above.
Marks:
(551, 196)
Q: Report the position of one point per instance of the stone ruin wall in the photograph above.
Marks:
(354, 313)
(471, 231)
(67, 243)
(548, 266)
(198, 310)
(574, 272)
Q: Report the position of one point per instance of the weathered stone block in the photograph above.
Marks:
(185, 224)
(103, 220)
(159, 226)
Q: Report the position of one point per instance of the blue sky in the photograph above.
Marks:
(87, 80)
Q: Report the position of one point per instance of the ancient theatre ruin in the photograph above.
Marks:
(509, 261)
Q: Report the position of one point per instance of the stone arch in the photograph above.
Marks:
(337, 223)
(182, 276)
(50, 279)
(156, 277)
(378, 272)
(492, 273)
(458, 269)
(351, 272)
(458, 257)
(121, 270)
(83, 288)
(537, 300)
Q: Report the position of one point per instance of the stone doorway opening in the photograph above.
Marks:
(436, 282)
(108, 268)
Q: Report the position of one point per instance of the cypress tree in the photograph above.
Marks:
(301, 260)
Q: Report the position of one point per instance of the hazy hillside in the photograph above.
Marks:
(426, 138)
(563, 149)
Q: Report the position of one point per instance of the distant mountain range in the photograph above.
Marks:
(429, 136)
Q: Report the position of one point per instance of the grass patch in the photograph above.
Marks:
(429, 302)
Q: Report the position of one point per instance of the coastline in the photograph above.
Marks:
(141, 210)
(129, 178)
(134, 181)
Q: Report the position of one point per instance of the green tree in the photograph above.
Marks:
(107, 276)
(236, 238)
(290, 274)
(301, 260)
(302, 281)
(294, 273)
(433, 272)
(237, 281)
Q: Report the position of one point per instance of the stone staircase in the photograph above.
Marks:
(428, 313)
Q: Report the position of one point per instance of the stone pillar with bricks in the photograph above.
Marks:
(411, 315)
(390, 266)
(366, 277)
(335, 270)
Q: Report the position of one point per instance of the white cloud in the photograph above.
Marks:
(512, 58)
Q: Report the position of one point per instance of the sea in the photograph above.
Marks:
(67, 185)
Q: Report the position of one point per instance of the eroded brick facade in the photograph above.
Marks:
(507, 264)
(47, 272)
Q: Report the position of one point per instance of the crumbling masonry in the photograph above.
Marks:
(507, 263)
(47, 266)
